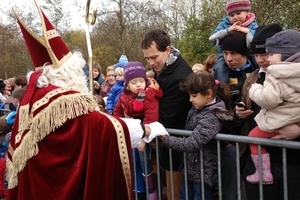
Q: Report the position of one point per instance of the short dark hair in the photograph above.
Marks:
(97, 66)
(18, 93)
(100, 101)
(158, 36)
(21, 80)
(211, 61)
(2, 85)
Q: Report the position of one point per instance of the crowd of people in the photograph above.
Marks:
(67, 142)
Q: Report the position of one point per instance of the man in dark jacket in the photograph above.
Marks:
(170, 68)
(241, 64)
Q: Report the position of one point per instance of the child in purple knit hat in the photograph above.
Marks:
(141, 101)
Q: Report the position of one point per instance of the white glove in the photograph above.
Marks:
(135, 130)
(157, 129)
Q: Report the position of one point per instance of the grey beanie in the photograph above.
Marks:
(286, 42)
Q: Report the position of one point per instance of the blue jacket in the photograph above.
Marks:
(225, 24)
(113, 96)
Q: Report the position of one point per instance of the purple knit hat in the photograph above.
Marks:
(237, 5)
(133, 70)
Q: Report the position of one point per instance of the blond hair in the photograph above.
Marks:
(198, 67)
(110, 68)
(150, 74)
(119, 71)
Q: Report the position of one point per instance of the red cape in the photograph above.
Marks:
(86, 157)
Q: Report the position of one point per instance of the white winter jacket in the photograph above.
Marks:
(279, 97)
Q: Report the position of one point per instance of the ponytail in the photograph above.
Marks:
(224, 92)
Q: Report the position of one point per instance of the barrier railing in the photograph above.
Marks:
(283, 144)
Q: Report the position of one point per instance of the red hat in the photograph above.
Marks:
(49, 49)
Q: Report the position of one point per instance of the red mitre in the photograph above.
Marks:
(49, 49)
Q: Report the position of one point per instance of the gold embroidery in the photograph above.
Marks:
(123, 152)
(42, 124)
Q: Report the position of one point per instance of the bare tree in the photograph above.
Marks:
(14, 57)
(121, 29)
(121, 25)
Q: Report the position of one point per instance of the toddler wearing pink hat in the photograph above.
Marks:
(239, 18)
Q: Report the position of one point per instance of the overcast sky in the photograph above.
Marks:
(27, 5)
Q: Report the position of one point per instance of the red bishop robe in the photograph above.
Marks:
(66, 149)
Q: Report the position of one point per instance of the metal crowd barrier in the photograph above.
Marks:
(283, 144)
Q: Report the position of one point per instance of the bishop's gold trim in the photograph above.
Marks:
(123, 152)
(42, 124)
